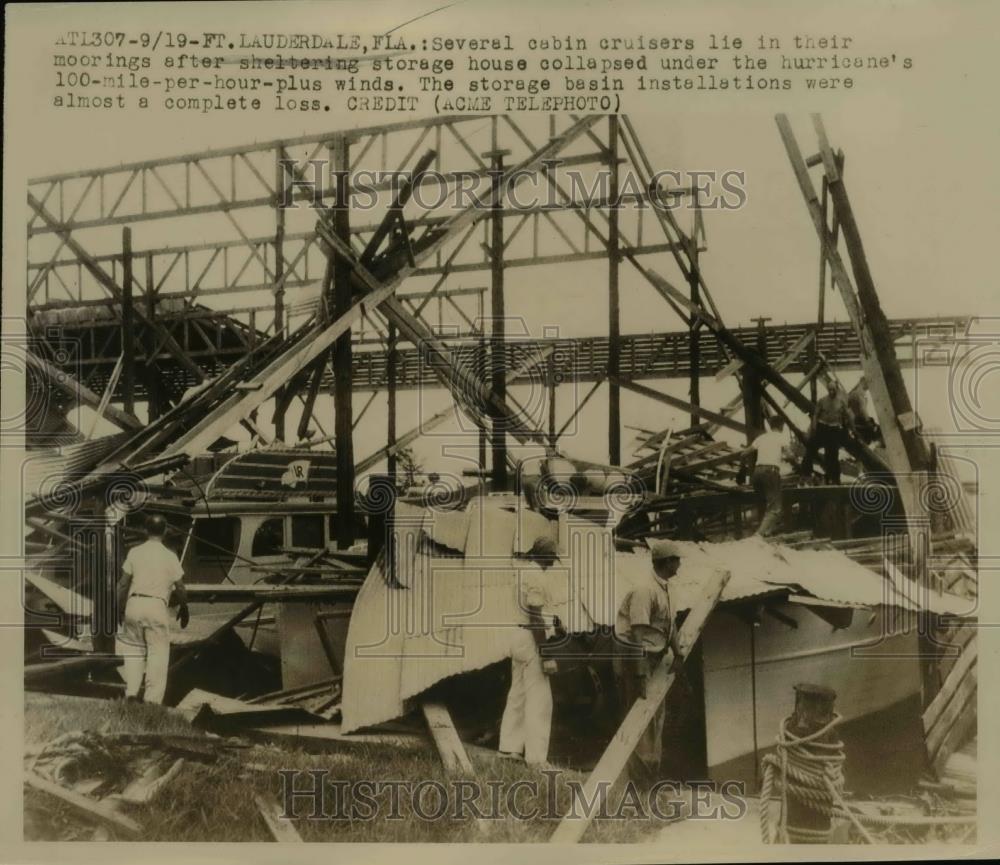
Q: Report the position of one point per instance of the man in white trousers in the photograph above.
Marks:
(527, 717)
(151, 575)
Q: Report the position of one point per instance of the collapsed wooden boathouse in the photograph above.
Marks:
(296, 539)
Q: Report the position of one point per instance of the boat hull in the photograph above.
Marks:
(872, 664)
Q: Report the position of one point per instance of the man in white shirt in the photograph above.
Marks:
(151, 575)
(527, 717)
(645, 610)
(766, 478)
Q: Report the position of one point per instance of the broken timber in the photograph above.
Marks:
(449, 746)
(79, 392)
(905, 449)
(319, 340)
(280, 827)
(101, 811)
(446, 739)
(165, 337)
(952, 712)
(613, 761)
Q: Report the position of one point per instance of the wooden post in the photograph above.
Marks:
(614, 301)
(753, 390)
(342, 395)
(128, 325)
(280, 404)
(694, 327)
(553, 434)
(813, 711)
(498, 310)
(615, 757)
(446, 738)
(905, 449)
(825, 207)
(821, 311)
(390, 374)
(152, 380)
(878, 326)
(484, 354)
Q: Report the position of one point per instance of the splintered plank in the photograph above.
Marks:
(955, 711)
(950, 685)
(446, 739)
(616, 755)
(100, 811)
(280, 828)
(453, 754)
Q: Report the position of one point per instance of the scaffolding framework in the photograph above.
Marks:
(100, 278)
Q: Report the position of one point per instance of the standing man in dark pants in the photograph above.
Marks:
(831, 421)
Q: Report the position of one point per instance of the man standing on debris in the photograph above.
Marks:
(151, 574)
(831, 421)
(766, 476)
(644, 628)
(527, 718)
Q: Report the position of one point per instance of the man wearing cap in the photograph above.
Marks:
(646, 611)
(527, 718)
(151, 575)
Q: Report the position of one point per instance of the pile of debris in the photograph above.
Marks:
(103, 776)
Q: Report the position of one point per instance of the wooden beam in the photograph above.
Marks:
(962, 700)
(342, 351)
(105, 402)
(280, 182)
(113, 288)
(82, 394)
(100, 811)
(936, 707)
(498, 439)
(390, 419)
(393, 447)
(874, 321)
(461, 380)
(694, 329)
(615, 757)
(311, 346)
(895, 447)
(684, 405)
(156, 400)
(128, 325)
(446, 739)
(801, 343)
(281, 829)
(614, 301)
(310, 401)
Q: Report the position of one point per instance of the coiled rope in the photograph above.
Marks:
(812, 772)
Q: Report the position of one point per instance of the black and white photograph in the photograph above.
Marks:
(562, 425)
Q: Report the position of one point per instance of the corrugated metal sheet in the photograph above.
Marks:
(445, 616)
(759, 568)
